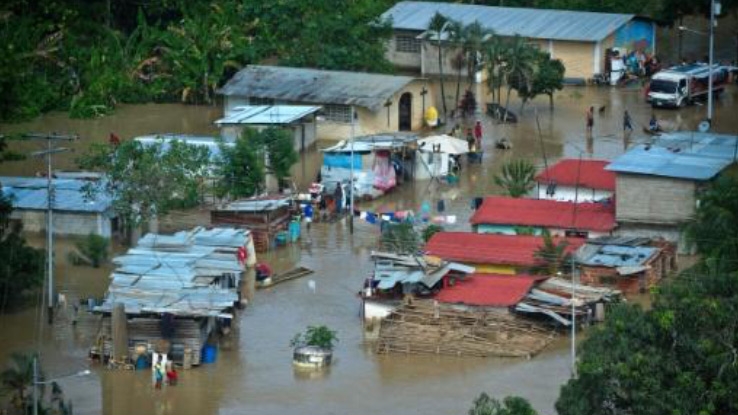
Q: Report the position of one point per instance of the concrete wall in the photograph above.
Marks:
(569, 193)
(578, 58)
(377, 122)
(510, 230)
(65, 223)
(654, 200)
(405, 60)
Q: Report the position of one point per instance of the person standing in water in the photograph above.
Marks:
(627, 122)
(590, 120)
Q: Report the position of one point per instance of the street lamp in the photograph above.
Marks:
(37, 382)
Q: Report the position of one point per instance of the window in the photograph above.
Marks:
(407, 43)
(337, 113)
(260, 101)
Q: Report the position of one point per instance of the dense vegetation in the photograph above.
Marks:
(22, 268)
(680, 356)
(88, 56)
(62, 55)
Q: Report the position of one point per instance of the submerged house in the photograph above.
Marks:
(511, 216)
(579, 39)
(263, 216)
(378, 103)
(298, 120)
(172, 293)
(74, 211)
(632, 265)
(575, 180)
(492, 253)
(396, 276)
(658, 184)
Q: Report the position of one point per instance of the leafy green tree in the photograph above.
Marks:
(146, 181)
(520, 65)
(431, 230)
(320, 336)
(17, 378)
(22, 267)
(677, 358)
(92, 250)
(517, 177)
(713, 229)
(510, 405)
(240, 167)
(280, 150)
(400, 238)
(547, 78)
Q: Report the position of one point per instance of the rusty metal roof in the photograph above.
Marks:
(315, 86)
(509, 21)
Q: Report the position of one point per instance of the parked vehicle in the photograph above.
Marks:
(683, 84)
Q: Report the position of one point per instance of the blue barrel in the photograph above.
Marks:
(209, 353)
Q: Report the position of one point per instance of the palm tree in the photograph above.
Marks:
(475, 36)
(494, 50)
(553, 256)
(520, 60)
(436, 27)
(517, 177)
(18, 376)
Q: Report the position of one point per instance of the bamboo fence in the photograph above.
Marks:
(426, 327)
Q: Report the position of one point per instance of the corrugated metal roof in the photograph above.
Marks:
(488, 290)
(267, 114)
(209, 142)
(315, 86)
(681, 155)
(588, 173)
(179, 273)
(509, 21)
(30, 193)
(614, 256)
(369, 143)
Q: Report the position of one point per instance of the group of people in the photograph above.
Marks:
(473, 136)
(161, 370)
(653, 123)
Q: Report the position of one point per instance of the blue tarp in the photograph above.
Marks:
(341, 160)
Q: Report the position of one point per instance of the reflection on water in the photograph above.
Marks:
(254, 372)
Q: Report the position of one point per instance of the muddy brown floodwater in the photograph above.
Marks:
(253, 373)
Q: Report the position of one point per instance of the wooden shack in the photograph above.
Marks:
(264, 216)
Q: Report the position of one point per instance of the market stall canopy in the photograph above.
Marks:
(447, 144)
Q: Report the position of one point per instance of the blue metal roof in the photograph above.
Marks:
(509, 21)
(681, 155)
(614, 256)
(30, 193)
(267, 114)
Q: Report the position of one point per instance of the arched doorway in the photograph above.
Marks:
(405, 122)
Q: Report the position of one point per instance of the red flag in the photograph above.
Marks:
(241, 254)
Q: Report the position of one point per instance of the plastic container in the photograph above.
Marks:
(209, 353)
(294, 231)
(281, 239)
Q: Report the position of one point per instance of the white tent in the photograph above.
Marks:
(448, 144)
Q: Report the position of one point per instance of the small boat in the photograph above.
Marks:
(652, 132)
(292, 274)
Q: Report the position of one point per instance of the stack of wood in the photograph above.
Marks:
(427, 327)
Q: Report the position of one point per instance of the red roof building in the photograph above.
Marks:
(488, 290)
(584, 173)
(491, 249)
(540, 213)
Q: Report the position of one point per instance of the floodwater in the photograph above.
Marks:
(253, 373)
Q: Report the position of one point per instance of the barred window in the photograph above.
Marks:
(337, 113)
(260, 101)
(407, 43)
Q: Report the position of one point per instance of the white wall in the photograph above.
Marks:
(569, 193)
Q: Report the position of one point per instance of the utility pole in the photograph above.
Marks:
(713, 5)
(50, 150)
(351, 176)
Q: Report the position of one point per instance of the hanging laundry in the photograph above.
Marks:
(451, 219)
